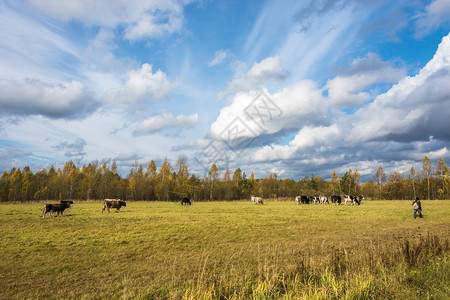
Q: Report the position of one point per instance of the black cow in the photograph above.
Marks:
(59, 208)
(185, 201)
(336, 199)
(113, 203)
(302, 199)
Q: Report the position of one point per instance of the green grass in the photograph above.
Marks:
(226, 250)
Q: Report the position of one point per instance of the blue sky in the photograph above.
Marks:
(292, 87)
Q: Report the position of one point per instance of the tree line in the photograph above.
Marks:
(170, 183)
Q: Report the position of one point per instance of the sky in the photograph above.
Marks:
(288, 87)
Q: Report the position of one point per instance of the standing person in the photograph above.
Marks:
(417, 207)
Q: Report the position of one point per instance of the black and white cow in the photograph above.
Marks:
(59, 208)
(323, 199)
(313, 199)
(352, 200)
(348, 199)
(257, 200)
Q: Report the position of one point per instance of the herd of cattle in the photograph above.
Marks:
(337, 200)
(117, 203)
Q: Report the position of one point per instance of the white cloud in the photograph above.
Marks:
(349, 89)
(29, 49)
(33, 97)
(141, 18)
(415, 108)
(436, 14)
(267, 69)
(306, 138)
(387, 131)
(141, 86)
(218, 58)
(165, 120)
(291, 108)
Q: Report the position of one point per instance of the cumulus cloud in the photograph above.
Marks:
(414, 109)
(435, 14)
(350, 88)
(165, 120)
(34, 97)
(307, 137)
(256, 114)
(268, 69)
(142, 85)
(140, 19)
(218, 58)
(399, 127)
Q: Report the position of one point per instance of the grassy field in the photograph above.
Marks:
(226, 250)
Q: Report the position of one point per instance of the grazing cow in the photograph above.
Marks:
(348, 198)
(59, 208)
(186, 201)
(352, 199)
(336, 199)
(257, 200)
(359, 198)
(323, 199)
(314, 199)
(302, 199)
(113, 203)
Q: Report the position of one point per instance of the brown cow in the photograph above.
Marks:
(113, 203)
(59, 208)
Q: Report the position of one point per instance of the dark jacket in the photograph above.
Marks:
(418, 203)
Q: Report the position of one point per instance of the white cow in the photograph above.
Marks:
(323, 199)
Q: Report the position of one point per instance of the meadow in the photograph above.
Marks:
(226, 250)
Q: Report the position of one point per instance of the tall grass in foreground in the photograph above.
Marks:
(409, 269)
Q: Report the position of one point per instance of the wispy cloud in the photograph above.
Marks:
(218, 58)
(72, 149)
(165, 120)
(141, 19)
(434, 14)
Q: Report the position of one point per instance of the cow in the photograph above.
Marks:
(348, 198)
(336, 199)
(323, 199)
(302, 199)
(59, 208)
(257, 200)
(186, 201)
(352, 199)
(314, 199)
(113, 203)
(359, 199)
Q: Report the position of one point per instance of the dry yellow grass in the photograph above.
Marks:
(162, 250)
